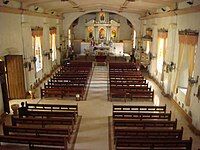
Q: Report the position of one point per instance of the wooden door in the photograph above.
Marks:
(3, 85)
(15, 76)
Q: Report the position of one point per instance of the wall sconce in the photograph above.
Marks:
(198, 93)
(171, 66)
(192, 80)
(151, 56)
(27, 65)
(46, 54)
(33, 59)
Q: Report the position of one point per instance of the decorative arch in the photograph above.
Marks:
(71, 17)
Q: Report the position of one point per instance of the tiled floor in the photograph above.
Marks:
(93, 132)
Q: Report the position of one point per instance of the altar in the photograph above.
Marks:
(115, 48)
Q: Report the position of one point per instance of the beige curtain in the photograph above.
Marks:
(180, 63)
(37, 31)
(191, 55)
(53, 30)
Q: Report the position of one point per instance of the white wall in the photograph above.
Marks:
(10, 29)
(15, 31)
(174, 24)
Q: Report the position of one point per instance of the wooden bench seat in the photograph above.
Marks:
(52, 114)
(144, 124)
(43, 121)
(141, 94)
(51, 92)
(52, 107)
(130, 108)
(142, 116)
(37, 131)
(32, 141)
(148, 134)
(126, 144)
(60, 91)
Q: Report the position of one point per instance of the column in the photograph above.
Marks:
(173, 49)
(47, 63)
(153, 51)
(58, 46)
(28, 53)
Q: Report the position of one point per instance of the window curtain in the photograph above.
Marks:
(37, 34)
(179, 65)
(162, 41)
(188, 39)
(53, 32)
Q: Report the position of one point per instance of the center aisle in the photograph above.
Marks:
(93, 131)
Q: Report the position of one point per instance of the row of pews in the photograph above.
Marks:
(70, 81)
(43, 126)
(127, 81)
(146, 127)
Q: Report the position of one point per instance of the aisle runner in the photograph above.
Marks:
(93, 131)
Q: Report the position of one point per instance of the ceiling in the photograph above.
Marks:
(65, 6)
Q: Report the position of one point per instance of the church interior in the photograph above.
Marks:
(99, 75)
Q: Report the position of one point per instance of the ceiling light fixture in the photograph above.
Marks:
(163, 9)
(190, 2)
(36, 8)
(6, 1)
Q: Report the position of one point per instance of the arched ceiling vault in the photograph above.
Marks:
(66, 6)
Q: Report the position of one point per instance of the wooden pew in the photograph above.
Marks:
(52, 92)
(148, 134)
(9, 130)
(147, 94)
(52, 107)
(144, 124)
(33, 141)
(52, 114)
(132, 108)
(124, 144)
(61, 91)
(42, 121)
(124, 92)
(142, 116)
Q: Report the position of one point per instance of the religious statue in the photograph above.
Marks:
(92, 43)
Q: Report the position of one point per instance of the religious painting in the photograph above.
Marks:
(102, 16)
(102, 33)
(90, 32)
(113, 32)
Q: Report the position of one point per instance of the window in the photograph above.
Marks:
(53, 45)
(37, 47)
(134, 39)
(160, 55)
(69, 38)
(148, 47)
(38, 53)
(52, 38)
